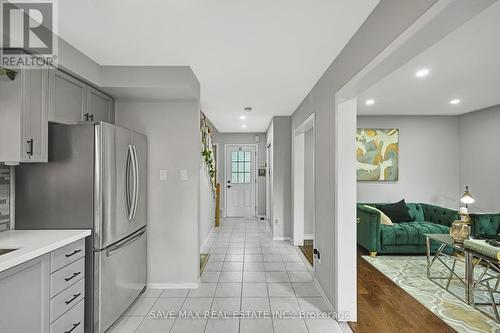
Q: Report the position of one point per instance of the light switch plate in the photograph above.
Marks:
(163, 174)
(183, 174)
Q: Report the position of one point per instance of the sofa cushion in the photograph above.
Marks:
(409, 232)
(485, 225)
(384, 219)
(416, 212)
(397, 212)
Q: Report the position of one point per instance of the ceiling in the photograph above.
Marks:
(263, 54)
(464, 65)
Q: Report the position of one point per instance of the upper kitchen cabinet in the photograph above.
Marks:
(72, 101)
(100, 107)
(67, 98)
(23, 115)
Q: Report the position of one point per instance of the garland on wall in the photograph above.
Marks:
(207, 149)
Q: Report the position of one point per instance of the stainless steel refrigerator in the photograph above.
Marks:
(96, 178)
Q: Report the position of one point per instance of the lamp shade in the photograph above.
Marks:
(467, 197)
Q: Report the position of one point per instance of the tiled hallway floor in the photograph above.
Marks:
(246, 271)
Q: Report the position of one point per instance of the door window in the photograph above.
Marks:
(240, 167)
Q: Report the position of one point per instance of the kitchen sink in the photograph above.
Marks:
(5, 251)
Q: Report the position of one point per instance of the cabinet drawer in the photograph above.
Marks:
(71, 322)
(66, 300)
(66, 255)
(66, 276)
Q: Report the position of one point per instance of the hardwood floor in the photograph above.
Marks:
(385, 307)
(307, 250)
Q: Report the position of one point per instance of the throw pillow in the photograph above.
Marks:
(384, 219)
(397, 212)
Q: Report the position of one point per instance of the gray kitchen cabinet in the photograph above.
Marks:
(67, 98)
(23, 117)
(24, 291)
(100, 107)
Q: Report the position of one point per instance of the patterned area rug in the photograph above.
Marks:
(410, 273)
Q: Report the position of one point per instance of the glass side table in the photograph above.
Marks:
(467, 279)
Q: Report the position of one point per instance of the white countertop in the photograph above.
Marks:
(34, 243)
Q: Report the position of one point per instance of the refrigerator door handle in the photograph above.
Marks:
(136, 183)
(125, 242)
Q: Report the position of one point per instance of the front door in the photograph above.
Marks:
(240, 180)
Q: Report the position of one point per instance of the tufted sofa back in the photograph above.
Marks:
(439, 215)
(485, 225)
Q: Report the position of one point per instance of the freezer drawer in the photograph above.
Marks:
(120, 273)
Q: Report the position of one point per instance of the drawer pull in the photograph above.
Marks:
(72, 329)
(72, 276)
(72, 253)
(74, 297)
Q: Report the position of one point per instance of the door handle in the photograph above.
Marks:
(86, 116)
(75, 296)
(91, 117)
(229, 186)
(136, 183)
(73, 328)
(30, 147)
(124, 243)
(72, 276)
(72, 253)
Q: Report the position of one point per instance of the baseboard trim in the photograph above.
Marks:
(191, 285)
(308, 236)
(281, 238)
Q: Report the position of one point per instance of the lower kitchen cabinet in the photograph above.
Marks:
(45, 294)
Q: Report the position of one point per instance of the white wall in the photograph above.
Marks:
(428, 161)
(279, 135)
(241, 138)
(174, 144)
(207, 205)
(480, 158)
(387, 21)
(309, 182)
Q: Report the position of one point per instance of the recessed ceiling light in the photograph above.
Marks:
(243, 117)
(422, 72)
(244, 126)
(370, 102)
(455, 101)
(248, 109)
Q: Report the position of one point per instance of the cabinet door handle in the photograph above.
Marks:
(72, 253)
(72, 276)
(91, 117)
(74, 297)
(30, 147)
(86, 116)
(73, 328)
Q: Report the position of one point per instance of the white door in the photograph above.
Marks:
(240, 180)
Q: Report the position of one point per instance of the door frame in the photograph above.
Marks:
(255, 174)
(269, 182)
(298, 179)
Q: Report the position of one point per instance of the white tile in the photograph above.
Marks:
(253, 250)
(167, 304)
(226, 305)
(291, 257)
(151, 293)
(285, 304)
(126, 325)
(216, 257)
(289, 326)
(313, 304)
(271, 257)
(189, 325)
(210, 276)
(253, 267)
(201, 304)
(277, 277)
(214, 266)
(223, 326)
(232, 266)
(253, 257)
(323, 326)
(252, 325)
(174, 293)
(231, 277)
(251, 244)
(218, 250)
(274, 267)
(255, 289)
(140, 307)
(233, 257)
(295, 267)
(150, 325)
(236, 250)
(204, 290)
(228, 290)
(303, 289)
(255, 304)
(254, 277)
(280, 289)
(300, 276)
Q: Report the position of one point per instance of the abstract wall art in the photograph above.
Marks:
(377, 153)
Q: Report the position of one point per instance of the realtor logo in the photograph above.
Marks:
(28, 33)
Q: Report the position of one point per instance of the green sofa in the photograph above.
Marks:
(405, 237)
